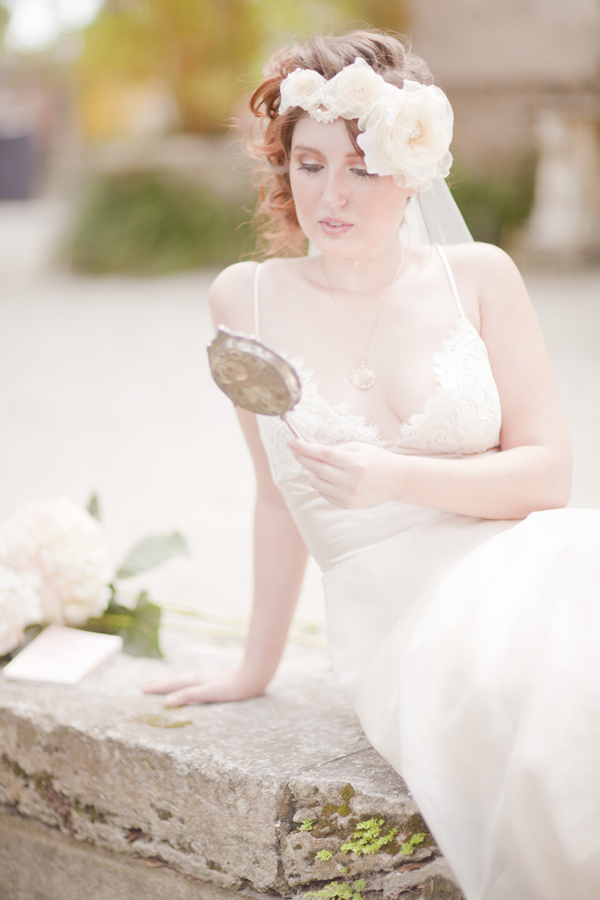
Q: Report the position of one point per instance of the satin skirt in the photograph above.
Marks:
(470, 650)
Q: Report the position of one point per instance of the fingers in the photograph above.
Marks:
(311, 450)
(196, 694)
(323, 473)
(324, 463)
(212, 692)
(332, 497)
(168, 685)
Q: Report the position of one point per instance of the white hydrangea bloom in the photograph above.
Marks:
(303, 88)
(64, 543)
(353, 91)
(407, 134)
(20, 606)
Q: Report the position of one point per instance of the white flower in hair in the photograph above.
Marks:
(353, 91)
(407, 134)
(303, 88)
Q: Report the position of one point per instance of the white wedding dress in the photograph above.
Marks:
(469, 648)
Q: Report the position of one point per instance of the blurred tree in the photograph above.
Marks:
(386, 14)
(4, 20)
(209, 51)
(195, 46)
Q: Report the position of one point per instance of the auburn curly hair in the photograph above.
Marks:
(389, 55)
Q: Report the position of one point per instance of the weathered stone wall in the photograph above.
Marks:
(279, 795)
(507, 68)
(500, 62)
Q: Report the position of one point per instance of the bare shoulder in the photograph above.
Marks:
(481, 261)
(230, 296)
(487, 273)
(232, 292)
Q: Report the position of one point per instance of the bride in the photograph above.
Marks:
(462, 598)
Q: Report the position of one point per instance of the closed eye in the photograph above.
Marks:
(362, 173)
(310, 167)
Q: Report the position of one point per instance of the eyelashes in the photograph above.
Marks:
(314, 168)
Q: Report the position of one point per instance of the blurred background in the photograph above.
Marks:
(123, 189)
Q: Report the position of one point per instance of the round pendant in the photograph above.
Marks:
(363, 376)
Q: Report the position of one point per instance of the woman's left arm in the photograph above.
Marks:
(533, 469)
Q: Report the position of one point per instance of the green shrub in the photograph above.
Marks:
(492, 208)
(144, 224)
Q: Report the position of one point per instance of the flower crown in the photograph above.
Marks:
(406, 132)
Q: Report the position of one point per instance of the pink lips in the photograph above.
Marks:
(335, 227)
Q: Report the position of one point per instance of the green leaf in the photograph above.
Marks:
(142, 639)
(93, 507)
(115, 619)
(152, 552)
(138, 627)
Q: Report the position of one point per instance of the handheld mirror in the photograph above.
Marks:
(253, 376)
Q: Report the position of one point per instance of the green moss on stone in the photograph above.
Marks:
(347, 795)
(14, 767)
(307, 825)
(415, 825)
(161, 722)
(213, 866)
(338, 890)
(90, 812)
(439, 888)
(408, 847)
(368, 838)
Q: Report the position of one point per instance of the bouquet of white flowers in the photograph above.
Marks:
(53, 568)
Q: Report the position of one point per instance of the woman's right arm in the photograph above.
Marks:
(279, 556)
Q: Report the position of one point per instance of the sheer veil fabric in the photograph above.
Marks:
(433, 217)
(468, 647)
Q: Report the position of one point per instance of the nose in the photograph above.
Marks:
(334, 190)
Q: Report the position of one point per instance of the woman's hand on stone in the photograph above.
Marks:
(352, 475)
(209, 686)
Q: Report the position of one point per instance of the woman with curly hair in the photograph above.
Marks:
(462, 598)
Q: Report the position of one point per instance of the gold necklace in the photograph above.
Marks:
(363, 376)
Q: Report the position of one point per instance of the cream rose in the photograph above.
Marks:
(353, 91)
(408, 134)
(64, 543)
(303, 88)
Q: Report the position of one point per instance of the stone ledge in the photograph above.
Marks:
(237, 797)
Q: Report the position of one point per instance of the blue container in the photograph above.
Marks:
(17, 167)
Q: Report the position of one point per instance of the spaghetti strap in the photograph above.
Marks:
(256, 316)
(444, 259)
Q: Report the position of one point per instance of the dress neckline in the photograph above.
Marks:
(448, 345)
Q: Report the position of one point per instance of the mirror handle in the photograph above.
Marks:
(285, 419)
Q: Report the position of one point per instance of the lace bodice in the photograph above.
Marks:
(462, 416)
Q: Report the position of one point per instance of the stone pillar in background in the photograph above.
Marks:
(564, 225)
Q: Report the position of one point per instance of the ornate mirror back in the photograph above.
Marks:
(253, 376)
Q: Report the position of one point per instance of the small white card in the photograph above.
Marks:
(62, 655)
